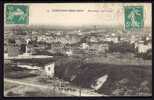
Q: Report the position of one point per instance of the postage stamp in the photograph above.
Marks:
(133, 17)
(17, 14)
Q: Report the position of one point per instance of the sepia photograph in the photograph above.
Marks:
(77, 49)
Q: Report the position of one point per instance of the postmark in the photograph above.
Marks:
(17, 14)
(133, 17)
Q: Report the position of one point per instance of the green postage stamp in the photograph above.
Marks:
(133, 17)
(17, 14)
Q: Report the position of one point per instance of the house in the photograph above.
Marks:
(113, 39)
(84, 46)
(72, 38)
(99, 47)
(103, 47)
(93, 39)
(50, 69)
(142, 47)
(133, 39)
(69, 52)
(57, 47)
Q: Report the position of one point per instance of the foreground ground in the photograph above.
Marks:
(128, 76)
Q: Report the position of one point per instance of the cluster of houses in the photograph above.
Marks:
(93, 42)
(54, 37)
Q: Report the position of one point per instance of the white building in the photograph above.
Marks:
(84, 46)
(142, 48)
(112, 39)
(132, 39)
(50, 70)
(69, 53)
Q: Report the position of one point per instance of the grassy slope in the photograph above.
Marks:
(125, 77)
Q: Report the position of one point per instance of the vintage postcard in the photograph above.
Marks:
(77, 49)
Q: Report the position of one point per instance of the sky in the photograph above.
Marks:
(111, 14)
